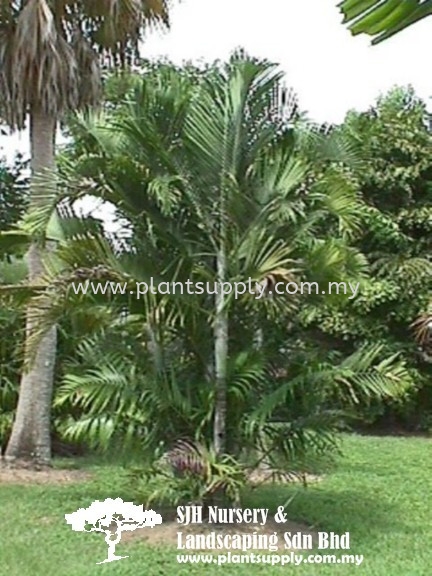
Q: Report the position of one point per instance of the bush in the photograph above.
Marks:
(190, 473)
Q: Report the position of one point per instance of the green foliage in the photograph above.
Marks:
(13, 204)
(14, 197)
(112, 396)
(13, 192)
(11, 344)
(395, 185)
(190, 167)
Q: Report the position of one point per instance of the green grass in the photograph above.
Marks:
(379, 492)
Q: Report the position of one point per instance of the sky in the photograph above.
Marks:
(330, 70)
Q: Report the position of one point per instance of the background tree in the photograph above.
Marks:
(13, 205)
(51, 55)
(13, 192)
(395, 184)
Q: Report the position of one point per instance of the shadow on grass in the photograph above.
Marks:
(330, 510)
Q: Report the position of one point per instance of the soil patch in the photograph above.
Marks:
(263, 476)
(23, 476)
(166, 534)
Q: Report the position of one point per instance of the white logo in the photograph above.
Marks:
(112, 517)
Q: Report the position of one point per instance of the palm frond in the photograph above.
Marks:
(382, 19)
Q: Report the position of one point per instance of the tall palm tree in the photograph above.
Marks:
(383, 19)
(231, 139)
(51, 57)
(216, 155)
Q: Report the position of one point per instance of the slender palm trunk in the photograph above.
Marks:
(30, 439)
(259, 339)
(221, 359)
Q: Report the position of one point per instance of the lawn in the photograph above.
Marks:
(380, 492)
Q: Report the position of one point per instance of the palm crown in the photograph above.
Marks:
(50, 50)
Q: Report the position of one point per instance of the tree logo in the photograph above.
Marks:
(112, 517)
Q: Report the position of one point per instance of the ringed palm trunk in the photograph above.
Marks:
(219, 497)
(30, 439)
(221, 359)
(221, 335)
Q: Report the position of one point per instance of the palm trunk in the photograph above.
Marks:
(30, 440)
(259, 339)
(221, 359)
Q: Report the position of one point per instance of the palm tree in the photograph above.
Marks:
(383, 19)
(51, 56)
(215, 154)
(231, 136)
